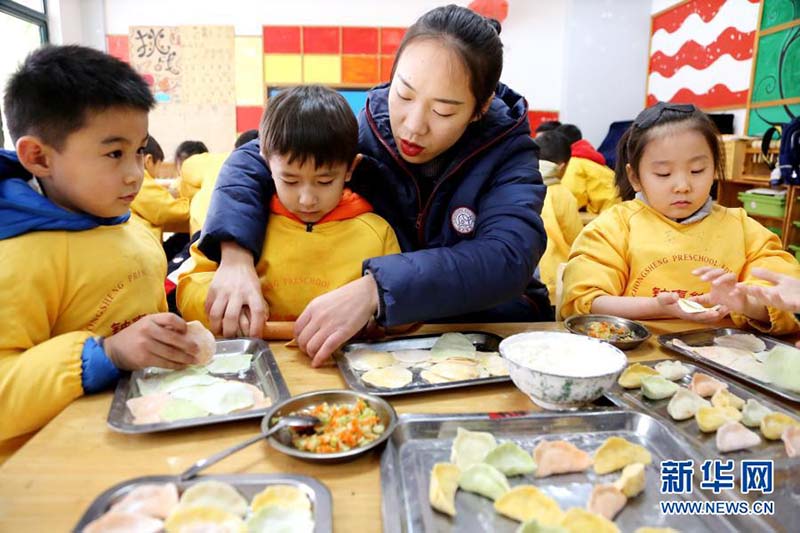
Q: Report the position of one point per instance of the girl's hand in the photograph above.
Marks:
(235, 305)
(332, 319)
(725, 291)
(153, 340)
(783, 294)
(668, 301)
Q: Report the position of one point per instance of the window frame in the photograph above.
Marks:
(28, 15)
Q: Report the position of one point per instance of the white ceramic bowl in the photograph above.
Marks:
(561, 371)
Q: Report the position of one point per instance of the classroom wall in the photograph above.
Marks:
(605, 63)
(586, 59)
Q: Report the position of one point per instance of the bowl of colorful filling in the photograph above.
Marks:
(623, 333)
(351, 424)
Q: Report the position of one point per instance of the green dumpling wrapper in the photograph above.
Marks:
(753, 412)
(453, 345)
(511, 460)
(783, 367)
(658, 387)
(180, 409)
(485, 480)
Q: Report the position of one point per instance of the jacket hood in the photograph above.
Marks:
(23, 210)
(508, 111)
(585, 150)
(350, 206)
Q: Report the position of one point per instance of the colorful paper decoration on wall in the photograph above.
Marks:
(701, 52)
(775, 97)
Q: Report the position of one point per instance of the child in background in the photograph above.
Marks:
(204, 169)
(640, 257)
(560, 211)
(587, 175)
(548, 125)
(154, 207)
(319, 232)
(187, 187)
(82, 287)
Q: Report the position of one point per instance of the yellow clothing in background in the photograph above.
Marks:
(632, 250)
(562, 223)
(592, 184)
(60, 288)
(300, 262)
(197, 169)
(156, 209)
(203, 169)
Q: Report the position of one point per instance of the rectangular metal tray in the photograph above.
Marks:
(263, 373)
(705, 337)
(247, 484)
(420, 441)
(787, 470)
(706, 442)
(486, 342)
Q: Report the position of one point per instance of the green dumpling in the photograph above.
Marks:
(783, 367)
(533, 526)
(753, 412)
(485, 480)
(511, 460)
(658, 387)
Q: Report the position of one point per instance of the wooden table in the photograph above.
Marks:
(49, 483)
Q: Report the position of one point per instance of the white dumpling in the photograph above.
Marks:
(280, 519)
(672, 370)
(733, 436)
(658, 387)
(485, 480)
(471, 447)
(511, 460)
(685, 403)
(753, 412)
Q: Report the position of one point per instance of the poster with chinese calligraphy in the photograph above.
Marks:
(155, 52)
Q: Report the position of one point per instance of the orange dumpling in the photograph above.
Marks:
(705, 385)
(559, 457)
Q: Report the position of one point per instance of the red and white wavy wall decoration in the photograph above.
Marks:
(701, 52)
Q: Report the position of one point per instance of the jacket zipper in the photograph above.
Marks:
(423, 211)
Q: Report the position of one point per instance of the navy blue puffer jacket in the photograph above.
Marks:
(471, 246)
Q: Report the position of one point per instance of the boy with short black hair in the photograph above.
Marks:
(560, 215)
(323, 231)
(82, 287)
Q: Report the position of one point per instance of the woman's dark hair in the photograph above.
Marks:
(647, 126)
(309, 122)
(474, 38)
(153, 149)
(187, 149)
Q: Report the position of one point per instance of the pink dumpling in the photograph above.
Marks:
(559, 457)
(206, 344)
(157, 501)
(606, 500)
(121, 522)
(791, 439)
(704, 385)
(733, 436)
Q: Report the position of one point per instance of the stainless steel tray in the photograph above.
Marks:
(787, 470)
(263, 373)
(705, 337)
(247, 484)
(420, 441)
(486, 342)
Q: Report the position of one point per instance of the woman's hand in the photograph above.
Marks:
(783, 294)
(234, 304)
(724, 291)
(153, 340)
(332, 319)
(668, 302)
